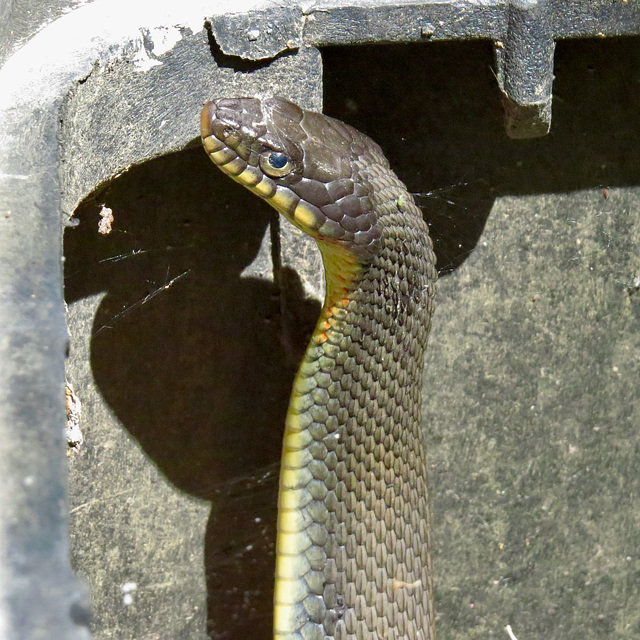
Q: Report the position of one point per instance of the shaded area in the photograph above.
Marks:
(178, 340)
(532, 411)
(187, 353)
(435, 110)
(532, 371)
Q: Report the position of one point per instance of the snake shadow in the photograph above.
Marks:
(188, 353)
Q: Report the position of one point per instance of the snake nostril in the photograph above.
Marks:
(230, 135)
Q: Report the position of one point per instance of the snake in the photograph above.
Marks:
(353, 544)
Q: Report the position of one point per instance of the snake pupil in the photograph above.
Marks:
(278, 160)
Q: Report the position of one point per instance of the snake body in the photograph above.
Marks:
(353, 545)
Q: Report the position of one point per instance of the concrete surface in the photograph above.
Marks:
(531, 403)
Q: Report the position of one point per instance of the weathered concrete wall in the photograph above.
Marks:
(532, 374)
(531, 408)
(183, 349)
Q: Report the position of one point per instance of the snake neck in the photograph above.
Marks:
(353, 498)
(353, 559)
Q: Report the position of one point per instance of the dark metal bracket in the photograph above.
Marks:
(523, 34)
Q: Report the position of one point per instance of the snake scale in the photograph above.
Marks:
(353, 558)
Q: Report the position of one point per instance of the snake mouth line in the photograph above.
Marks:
(252, 141)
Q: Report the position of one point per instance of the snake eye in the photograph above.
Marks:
(275, 164)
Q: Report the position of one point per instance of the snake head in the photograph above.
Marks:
(305, 164)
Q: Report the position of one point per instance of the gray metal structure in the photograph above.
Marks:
(89, 91)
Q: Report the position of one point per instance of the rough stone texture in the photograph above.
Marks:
(174, 420)
(184, 397)
(535, 420)
(535, 509)
(20, 19)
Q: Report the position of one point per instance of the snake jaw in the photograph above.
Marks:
(315, 187)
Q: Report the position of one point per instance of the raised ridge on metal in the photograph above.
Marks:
(523, 33)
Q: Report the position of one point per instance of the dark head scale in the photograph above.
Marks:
(303, 163)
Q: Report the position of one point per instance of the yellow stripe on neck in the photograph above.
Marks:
(342, 270)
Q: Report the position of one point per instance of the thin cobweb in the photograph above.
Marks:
(130, 308)
(456, 215)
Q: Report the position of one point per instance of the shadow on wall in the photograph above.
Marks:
(199, 377)
(187, 353)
